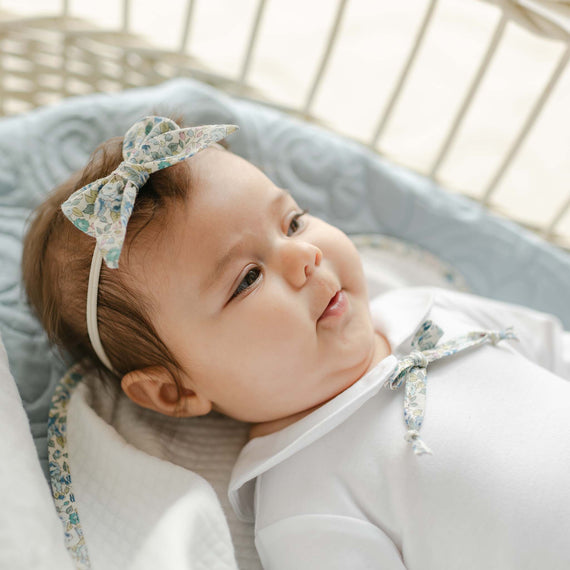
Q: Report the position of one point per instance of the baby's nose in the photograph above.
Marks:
(300, 258)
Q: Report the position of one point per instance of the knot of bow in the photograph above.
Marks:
(415, 359)
(412, 370)
(102, 208)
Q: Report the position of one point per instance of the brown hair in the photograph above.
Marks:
(56, 263)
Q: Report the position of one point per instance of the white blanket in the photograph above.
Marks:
(30, 532)
(138, 507)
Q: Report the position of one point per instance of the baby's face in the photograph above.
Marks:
(241, 290)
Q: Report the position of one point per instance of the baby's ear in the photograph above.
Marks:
(155, 388)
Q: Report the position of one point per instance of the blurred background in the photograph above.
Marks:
(475, 94)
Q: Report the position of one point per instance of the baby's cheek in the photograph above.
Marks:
(284, 326)
(351, 268)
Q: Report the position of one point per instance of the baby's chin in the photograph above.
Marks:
(375, 348)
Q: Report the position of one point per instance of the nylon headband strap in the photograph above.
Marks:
(92, 290)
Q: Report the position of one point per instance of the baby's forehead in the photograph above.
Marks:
(221, 184)
(216, 165)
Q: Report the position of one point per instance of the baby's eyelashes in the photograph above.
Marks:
(296, 223)
(249, 279)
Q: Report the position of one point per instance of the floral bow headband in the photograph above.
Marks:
(102, 208)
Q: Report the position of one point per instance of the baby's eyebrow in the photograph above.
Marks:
(224, 261)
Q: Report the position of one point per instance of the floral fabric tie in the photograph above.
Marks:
(412, 370)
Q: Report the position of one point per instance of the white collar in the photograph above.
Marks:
(397, 314)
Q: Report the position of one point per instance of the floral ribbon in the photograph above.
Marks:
(412, 370)
(102, 208)
(60, 473)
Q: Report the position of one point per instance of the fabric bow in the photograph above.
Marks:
(102, 208)
(412, 370)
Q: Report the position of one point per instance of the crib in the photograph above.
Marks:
(56, 55)
(452, 172)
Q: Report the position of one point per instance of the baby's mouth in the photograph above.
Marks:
(336, 306)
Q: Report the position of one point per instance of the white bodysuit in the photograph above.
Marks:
(342, 489)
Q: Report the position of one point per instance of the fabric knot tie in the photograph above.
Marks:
(132, 172)
(418, 359)
(411, 370)
(415, 360)
(419, 447)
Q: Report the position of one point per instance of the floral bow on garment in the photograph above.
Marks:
(102, 209)
(412, 370)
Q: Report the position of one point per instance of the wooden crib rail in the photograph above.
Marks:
(45, 58)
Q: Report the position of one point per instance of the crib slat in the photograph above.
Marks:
(64, 75)
(403, 75)
(468, 99)
(2, 85)
(549, 231)
(251, 43)
(126, 16)
(187, 26)
(533, 115)
(326, 56)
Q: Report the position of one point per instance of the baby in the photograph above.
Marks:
(209, 288)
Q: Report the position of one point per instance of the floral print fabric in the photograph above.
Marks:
(60, 474)
(102, 208)
(412, 370)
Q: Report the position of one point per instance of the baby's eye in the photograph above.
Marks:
(295, 224)
(249, 279)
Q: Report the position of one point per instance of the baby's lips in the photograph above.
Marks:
(331, 297)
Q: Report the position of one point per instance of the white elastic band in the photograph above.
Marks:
(92, 290)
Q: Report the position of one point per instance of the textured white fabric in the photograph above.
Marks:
(311, 535)
(495, 493)
(30, 532)
(138, 511)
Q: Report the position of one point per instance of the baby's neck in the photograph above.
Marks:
(265, 428)
(381, 351)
